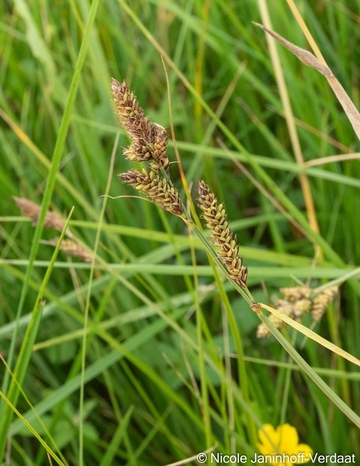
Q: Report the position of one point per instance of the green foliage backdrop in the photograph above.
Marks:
(161, 375)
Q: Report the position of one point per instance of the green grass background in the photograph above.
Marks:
(161, 374)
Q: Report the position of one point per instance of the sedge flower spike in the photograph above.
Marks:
(148, 144)
(159, 190)
(148, 140)
(221, 235)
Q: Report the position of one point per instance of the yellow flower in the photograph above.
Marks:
(280, 446)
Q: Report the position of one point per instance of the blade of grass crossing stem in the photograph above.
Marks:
(56, 158)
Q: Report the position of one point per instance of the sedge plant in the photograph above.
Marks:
(221, 387)
(148, 145)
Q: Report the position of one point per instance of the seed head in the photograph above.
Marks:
(32, 210)
(221, 235)
(149, 140)
(71, 248)
(321, 301)
(131, 115)
(295, 293)
(158, 189)
(297, 303)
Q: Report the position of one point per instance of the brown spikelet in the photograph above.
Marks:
(221, 235)
(282, 306)
(158, 189)
(149, 140)
(133, 151)
(71, 248)
(131, 115)
(32, 210)
(321, 301)
(160, 142)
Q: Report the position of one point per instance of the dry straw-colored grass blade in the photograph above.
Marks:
(310, 60)
(310, 334)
